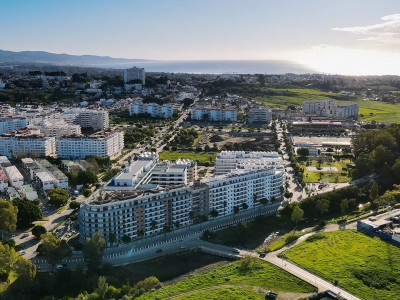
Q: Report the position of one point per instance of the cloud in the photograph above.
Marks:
(387, 32)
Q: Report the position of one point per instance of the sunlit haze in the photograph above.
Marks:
(334, 36)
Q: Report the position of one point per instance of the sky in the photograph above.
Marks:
(337, 36)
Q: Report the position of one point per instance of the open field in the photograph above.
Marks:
(381, 112)
(365, 266)
(200, 158)
(247, 274)
(332, 176)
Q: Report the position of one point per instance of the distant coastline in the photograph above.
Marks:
(216, 66)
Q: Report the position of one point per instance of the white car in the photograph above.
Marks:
(24, 235)
(22, 252)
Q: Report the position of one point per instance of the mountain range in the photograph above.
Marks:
(61, 59)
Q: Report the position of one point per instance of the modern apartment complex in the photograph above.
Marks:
(153, 109)
(96, 119)
(27, 142)
(228, 161)
(213, 114)
(103, 144)
(260, 115)
(147, 207)
(329, 108)
(57, 128)
(135, 74)
(12, 123)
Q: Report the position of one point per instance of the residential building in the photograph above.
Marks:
(12, 193)
(135, 74)
(12, 123)
(44, 180)
(213, 114)
(27, 142)
(307, 127)
(329, 108)
(153, 109)
(227, 161)
(260, 115)
(15, 177)
(28, 192)
(103, 144)
(57, 128)
(96, 119)
(147, 194)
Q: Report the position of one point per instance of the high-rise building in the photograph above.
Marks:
(261, 115)
(329, 108)
(135, 74)
(96, 119)
(103, 144)
(12, 123)
(153, 109)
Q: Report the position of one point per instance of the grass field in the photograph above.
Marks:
(257, 274)
(339, 176)
(232, 293)
(381, 112)
(365, 266)
(200, 158)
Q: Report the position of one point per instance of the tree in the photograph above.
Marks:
(225, 205)
(297, 214)
(344, 205)
(87, 193)
(38, 230)
(264, 201)
(86, 178)
(303, 151)
(112, 238)
(74, 205)
(8, 216)
(58, 197)
(255, 197)
(322, 205)
(93, 250)
(236, 209)
(244, 205)
(53, 248)
(11, 261)
(374, 191)
(27, 212)
(214, 213)
(191, 216)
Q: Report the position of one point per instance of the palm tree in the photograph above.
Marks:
(191, 217)
(236, 209)
(225, 205)
(254, 200)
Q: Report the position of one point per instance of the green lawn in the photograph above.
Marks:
(257, 274)
(196, 140)
(223, 293)
(381, 112)
(337, 176)
(200, 158)
(365, 266)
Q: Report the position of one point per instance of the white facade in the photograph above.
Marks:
(227, 161)
(57, 128)
(15, 177)
(28, 192)
(213, 114)
(96, 119)
(260, 115)
(153, 109)
(11, 124)
(3, 181)
(27, 143)
(45, 180)
(135, 73)
(329, 108)
(104, 144)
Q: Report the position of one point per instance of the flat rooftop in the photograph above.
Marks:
(134, 168)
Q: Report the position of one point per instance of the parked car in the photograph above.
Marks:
(59, 267)
(237, 251)
(25, 235)
(22, 252)
(159, 251)
(262, 255)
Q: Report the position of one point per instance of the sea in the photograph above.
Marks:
(217, 66)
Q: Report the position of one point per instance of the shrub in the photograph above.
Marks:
(87, 192)
(38, 230)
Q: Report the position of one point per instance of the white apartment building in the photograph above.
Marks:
(260, 115)
(242, 186)
(153, 109)
(213, 114)
(12, 123)
(134, 74)
(15, 177)
(27, 142)
(44, 180)
(166, 173)
(57, 128)
(103, 144)
(228, 161)
(329, 108)
(96, 119)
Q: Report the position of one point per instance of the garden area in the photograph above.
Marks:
(365, 266)
(236, 280)
(202, 158)
(335, 171)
